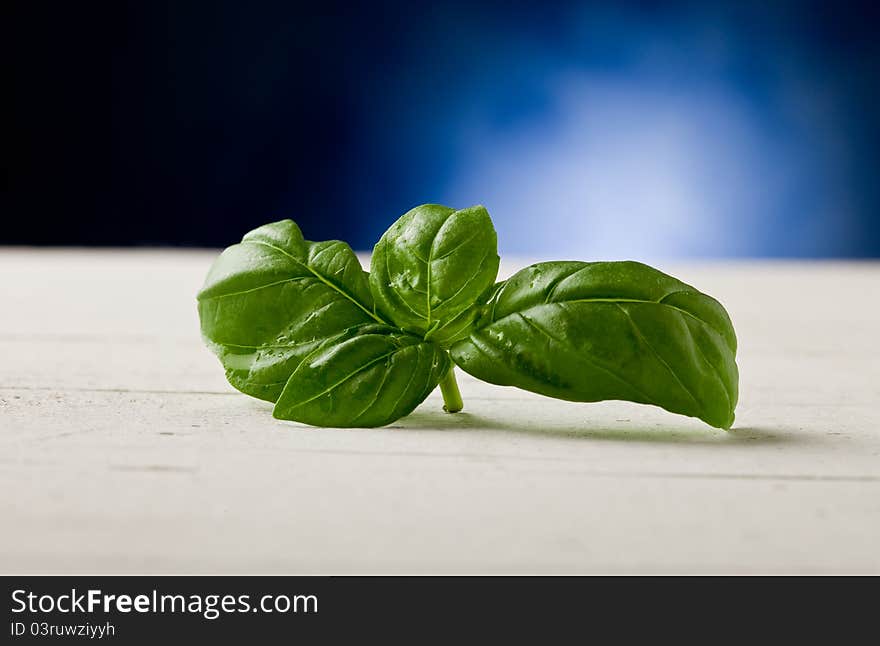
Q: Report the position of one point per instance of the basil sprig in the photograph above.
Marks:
(300, 324)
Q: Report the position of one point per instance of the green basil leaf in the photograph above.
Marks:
(273, 298)
(364, 380)
(608, 330)
(430, 267)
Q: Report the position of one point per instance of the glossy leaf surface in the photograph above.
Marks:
(607, 330)
(429, 269)
(273, 298)
(365, 380)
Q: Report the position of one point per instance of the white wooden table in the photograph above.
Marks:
(122, 448)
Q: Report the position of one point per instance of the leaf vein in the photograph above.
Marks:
(659, 358)
(586, 356)
(323, 279)
(336, 385)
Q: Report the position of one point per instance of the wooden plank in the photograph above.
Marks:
(122, 449)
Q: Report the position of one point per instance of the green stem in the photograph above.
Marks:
(451, 394)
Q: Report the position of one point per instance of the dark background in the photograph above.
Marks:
(590, 130)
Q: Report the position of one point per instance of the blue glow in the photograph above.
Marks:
(633, 134)
(618, 167)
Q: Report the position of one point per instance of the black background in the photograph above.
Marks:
(188, 123)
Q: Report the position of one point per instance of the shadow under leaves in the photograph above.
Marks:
(659, 433)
